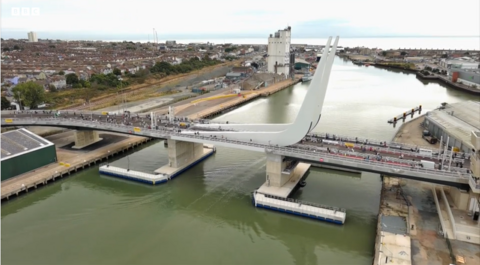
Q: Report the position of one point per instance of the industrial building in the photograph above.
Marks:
(457, 121)
(23, 151)
(468, 77)
(32, 36)
(279, 52)
(461, 63)
(301, 64)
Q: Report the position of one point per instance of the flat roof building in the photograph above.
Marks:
(23, 151)
(457, 121)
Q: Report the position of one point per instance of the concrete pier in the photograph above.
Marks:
(85, 138)
(280, 180)
(133, 175)
(300, 208)
(184, 155)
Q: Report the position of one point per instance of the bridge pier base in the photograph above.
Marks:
(85, 138)
(184, 155)
(282, 175)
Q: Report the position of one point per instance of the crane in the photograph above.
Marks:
(155, 37)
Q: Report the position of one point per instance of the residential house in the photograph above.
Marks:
(244, 71)
(41, 76)
(58, 81)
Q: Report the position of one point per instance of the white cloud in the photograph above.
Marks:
(407, 17)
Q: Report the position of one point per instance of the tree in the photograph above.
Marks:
(5, 103)
(72, 79)
(61, 73)
(6, 49)
(52, 88)
(403, 53)
(117, 71)
(384, 53)
(16, 47)
(30, 93)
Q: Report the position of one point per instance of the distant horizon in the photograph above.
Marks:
(220, 37)
(379, 42)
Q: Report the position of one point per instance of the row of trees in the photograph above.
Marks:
(185, 67)
(15, 47)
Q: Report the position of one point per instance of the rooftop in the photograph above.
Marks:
(21, 141)
(459, 119)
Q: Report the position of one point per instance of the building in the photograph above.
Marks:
(32, 36)
(170, 43)
(301, 64)
(468, 77)
(462, 63)
(456, 121)
(279, 52)
(23, 151)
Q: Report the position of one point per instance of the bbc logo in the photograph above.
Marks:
(25, 11)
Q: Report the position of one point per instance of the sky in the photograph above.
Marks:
(190, 19)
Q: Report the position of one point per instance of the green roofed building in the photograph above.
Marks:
(301, 64)
(24, 151)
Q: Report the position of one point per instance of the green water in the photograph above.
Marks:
(205, 216)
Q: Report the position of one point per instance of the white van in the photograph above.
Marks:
(427, 164)
(425, 152)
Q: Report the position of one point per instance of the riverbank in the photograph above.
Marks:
(414, 70)
(210, 108)
(69, 162)
(152, 87)
(449, 83)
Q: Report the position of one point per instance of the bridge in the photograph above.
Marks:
(284, 144)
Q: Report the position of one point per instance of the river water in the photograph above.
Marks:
(205, 216)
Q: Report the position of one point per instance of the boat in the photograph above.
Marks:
(307, 76)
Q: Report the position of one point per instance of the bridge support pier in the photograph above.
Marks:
(282, 175)
(184, 155)
(85, 138)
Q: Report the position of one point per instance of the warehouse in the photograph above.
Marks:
(301, 64)
(456, 121)
(23, 151)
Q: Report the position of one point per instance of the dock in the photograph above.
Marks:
(296, 207)
(404, 115)
(284, 191)
(133, 175)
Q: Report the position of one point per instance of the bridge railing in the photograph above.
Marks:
(397, 148)
(388, 150)
(393, 168)
(359, 141)
(391, 145)
(287, 151)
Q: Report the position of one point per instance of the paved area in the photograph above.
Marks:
(428, 246)
(411, 133)
(394, 249)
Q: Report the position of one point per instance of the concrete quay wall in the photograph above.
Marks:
(31, 180)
